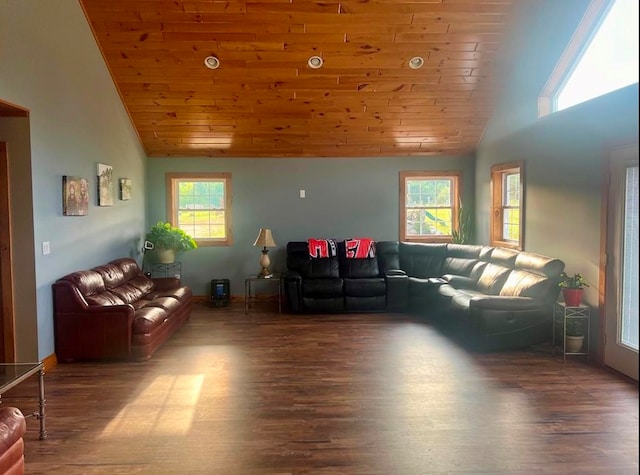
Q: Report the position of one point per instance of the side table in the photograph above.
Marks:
(565, 316)
(249, 296)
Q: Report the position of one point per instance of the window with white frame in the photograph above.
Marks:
(200, 205)
(428, 205)
(601, 57)
(507, 216)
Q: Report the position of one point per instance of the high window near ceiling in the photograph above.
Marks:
(429, 205)
(200, 205)
(507, 210)
(601, 57)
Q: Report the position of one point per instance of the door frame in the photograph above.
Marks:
(6, 263)
(605, 237)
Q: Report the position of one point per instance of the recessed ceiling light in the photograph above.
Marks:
(211, 62)
(416, 62)
(315, 62)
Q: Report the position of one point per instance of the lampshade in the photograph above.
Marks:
(264, 239)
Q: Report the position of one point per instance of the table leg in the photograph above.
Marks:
(247, 292)
(40, 415)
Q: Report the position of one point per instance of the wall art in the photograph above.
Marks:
(75, 196)
(105, 185)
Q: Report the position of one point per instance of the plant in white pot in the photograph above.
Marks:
(169, 240)
(574, 337)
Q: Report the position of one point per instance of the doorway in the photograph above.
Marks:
(621, 269)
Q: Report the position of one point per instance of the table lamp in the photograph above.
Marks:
(265, 239)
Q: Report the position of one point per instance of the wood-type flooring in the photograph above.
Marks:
(268, 393)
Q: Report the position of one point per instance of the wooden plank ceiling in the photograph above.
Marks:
(265, 101)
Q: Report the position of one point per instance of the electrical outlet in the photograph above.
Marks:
(302, 194)
(46, 248)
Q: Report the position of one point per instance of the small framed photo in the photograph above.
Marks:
(125, 189)
(75, 196)
(105, 185)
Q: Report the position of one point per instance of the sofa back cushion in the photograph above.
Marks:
(422, 260)
(112, 275)
(534, 276)
(356, 268)
(388, 254)
(298, 260)
(88, 282)
(492, 278)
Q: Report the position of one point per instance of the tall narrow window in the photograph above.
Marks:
(629, 297)
(428, 205)
(507, 215)
(200, 204)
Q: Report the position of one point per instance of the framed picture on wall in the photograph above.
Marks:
(125, 189)
(75, 196)
(105, 185)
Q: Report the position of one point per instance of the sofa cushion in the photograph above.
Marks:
(526, 284)
(359, 268)
(492, 278)
(322, 288)
(298, 260)
(458, 266)
(128, 293)
(148, 318)
(104, 298)
(364, 287)
(422, 260)
(144, 284)
(88, 282)
(179, 293)
(111, 274)
(168, 303)
(388, 254)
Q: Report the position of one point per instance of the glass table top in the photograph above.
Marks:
(14, 373)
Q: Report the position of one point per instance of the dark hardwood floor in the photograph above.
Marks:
(270, 393)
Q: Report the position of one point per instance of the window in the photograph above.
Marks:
(602, 56)
(428, 205)
(507, 213)
(200, 205)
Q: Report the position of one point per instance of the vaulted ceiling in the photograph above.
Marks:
(264, 100)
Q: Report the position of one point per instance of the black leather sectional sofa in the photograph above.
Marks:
(493, 298)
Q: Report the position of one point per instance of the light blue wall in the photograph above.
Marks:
(564, 153)
(50, 65)
(345, 197)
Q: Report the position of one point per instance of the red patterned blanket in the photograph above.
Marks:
(322, 248)
(360, 248)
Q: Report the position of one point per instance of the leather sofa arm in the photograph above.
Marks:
(12, 430)
(292, 282)
(397, 289)
(459, 281)
(95, 333)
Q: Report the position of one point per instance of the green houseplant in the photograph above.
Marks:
(168, 240)
(572, 287)
(462, 234)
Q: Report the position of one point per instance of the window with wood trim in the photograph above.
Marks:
(601, 57)
(200, 205)
(507, 213)
(428, 205)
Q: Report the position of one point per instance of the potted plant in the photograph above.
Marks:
(462, 234)
(169, 240)
(574, 337)
(572, 287)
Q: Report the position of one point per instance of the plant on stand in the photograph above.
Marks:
(169, 240)
(572, 288)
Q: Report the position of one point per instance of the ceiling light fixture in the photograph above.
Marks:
(416, 62)
(315, 62)
(212, 62)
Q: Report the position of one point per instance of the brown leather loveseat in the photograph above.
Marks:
(12, 429)
(114, 311)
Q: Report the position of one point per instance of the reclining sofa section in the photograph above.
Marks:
(492, 298)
